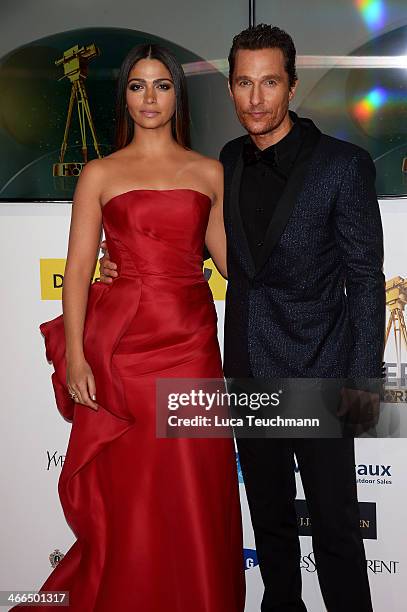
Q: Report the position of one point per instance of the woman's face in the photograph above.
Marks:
(150, 94)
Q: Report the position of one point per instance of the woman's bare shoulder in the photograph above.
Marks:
(100, 170)
(106, 162)
(211, 167)
(98, 166)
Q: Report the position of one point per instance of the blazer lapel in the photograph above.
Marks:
(236, 219)
(291, 192)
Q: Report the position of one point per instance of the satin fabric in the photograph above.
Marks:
(157, 521)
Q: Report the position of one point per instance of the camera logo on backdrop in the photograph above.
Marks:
(396, 340)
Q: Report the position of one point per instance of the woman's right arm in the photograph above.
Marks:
(215, 238)
(84, 238)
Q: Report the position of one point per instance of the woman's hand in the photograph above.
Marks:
(80, 380)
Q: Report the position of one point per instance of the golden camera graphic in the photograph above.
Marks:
(396, 300)
(75, 64)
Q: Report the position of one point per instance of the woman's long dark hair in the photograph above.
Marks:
(180, 121)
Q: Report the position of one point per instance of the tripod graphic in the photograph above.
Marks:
(396, 300)
(75, 63)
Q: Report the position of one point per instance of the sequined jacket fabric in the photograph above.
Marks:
(314, 306)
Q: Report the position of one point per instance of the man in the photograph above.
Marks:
(305, 299)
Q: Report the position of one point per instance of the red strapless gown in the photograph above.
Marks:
(157, 521)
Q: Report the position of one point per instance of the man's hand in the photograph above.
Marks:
(361, 409)
(107, 267)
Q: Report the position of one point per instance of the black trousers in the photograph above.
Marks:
(327, 468)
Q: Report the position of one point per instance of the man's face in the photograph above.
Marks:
(260, 89)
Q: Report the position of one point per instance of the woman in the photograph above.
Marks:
(157, 520)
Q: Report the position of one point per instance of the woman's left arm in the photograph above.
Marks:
(215, 238)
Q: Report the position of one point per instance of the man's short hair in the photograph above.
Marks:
(265, 36)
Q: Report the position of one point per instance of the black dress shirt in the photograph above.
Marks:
(264, 178)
